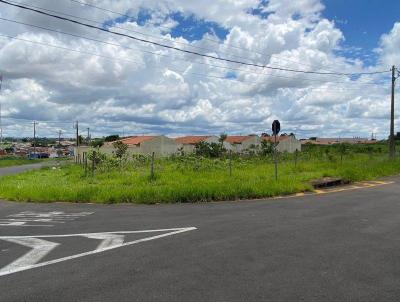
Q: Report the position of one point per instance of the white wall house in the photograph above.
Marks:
(241, 144)
(145, 145)
(287, 144)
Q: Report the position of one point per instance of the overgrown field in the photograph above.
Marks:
(15, 161)
(192, 178)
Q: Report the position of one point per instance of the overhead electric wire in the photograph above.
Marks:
(187, 51)
(174, 70)
(208, 39)
(165, 55)
(177, 42)
(134, 31)
(156, 24)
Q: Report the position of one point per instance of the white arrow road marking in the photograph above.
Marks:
(40, 248)
(111, 240)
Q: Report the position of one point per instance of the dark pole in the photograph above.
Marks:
(276, 160)
(77, 134)
(152, 167)
(59, 138)
(77, 140)
(392, 145)
(34, 138)
(230, 162)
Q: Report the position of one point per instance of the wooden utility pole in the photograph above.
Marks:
(77, 134)
(88, 136)
(77, 141)
(34, 137)
(59, 137)
(392, 144)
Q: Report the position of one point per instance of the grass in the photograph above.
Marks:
(13, 161)
(189, 179)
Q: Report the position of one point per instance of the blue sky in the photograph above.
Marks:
(362, 21)
(175, 93)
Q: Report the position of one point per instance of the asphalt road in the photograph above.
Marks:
(19, 169)
(335, 247)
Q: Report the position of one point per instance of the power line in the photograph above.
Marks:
(208, 39)
(177, 42)
(157, 24)
(133, 31)
(183, 50)
(165, 55)
(176, 70)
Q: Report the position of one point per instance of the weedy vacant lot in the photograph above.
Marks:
(194, 178)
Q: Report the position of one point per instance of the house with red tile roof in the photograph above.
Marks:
(145, 145)
(189, 142)
(243, 143)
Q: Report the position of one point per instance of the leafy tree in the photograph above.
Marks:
(81, 139)
(120, 149)
(111, 138)
(208, 149)
(97, 142)
(222, 138)
(266, 147)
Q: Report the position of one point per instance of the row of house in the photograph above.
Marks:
(164, 146)
(25, 149)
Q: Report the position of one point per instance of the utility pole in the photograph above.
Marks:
(34, 137)
(88, 136)
(59, 137)
(77, 133)
(77, 142)
(392, 143)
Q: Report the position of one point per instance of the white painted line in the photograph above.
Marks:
(109, 240)
(26, 225)
(51, 217)
(32, 220)
(40, 248)
(109, 243)
(86, 234)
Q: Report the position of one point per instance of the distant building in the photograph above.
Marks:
(334, 141)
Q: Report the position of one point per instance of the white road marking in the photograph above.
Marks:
(23, 218)
(40, 248)
(111, 240)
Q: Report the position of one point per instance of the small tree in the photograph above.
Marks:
(97, 143)
(222, 138)
(208, 150)
(112, 138)
(266, 147)
(120, 149)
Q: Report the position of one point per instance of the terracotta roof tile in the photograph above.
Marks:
(137, 140)
(272, 139)
(191, 140)
(237, 139)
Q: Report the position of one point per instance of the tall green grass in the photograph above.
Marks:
(188, 180)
